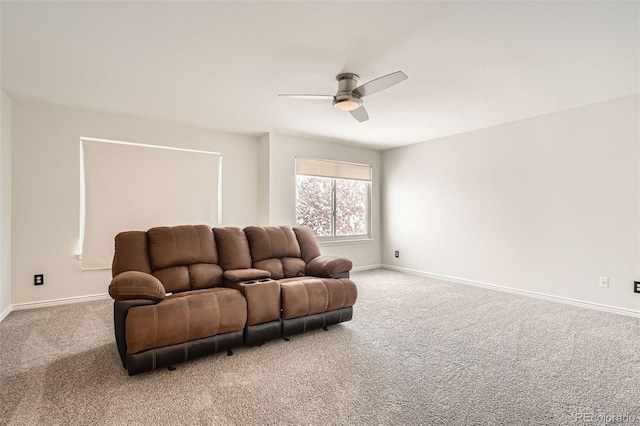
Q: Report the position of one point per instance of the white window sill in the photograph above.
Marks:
(339, 242)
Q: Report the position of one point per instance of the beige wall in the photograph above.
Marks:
(5, 205)
(263, 180)
(46, 142)
(548, 204)
(258, 187)
(282, 189)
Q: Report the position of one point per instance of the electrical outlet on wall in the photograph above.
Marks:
(38, 279)
(397, 253)
(604, 282)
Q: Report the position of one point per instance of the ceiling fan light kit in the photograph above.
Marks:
(348, 104)
(349, 95)
(345, 99)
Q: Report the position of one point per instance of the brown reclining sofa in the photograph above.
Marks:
(187, 291)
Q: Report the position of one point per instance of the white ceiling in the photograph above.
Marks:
(221, 65)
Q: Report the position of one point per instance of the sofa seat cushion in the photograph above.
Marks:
(308, 295)
(185, 317)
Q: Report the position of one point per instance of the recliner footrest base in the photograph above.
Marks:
(154, 359)
(311, 322)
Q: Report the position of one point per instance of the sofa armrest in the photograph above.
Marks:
(238, 275)
(132, 285)
(328, 266)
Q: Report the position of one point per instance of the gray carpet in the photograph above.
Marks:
(418, 351)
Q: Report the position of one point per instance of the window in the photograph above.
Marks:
(126, 186)
(333, 198)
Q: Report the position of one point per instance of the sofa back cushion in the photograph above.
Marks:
(275, 249)
(131, 253)
(184, 257)
(308, 246)
(271, 242)
(181, 257)
(181, 246)
(233, 248)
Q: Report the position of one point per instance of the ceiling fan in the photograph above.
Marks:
(349, 95)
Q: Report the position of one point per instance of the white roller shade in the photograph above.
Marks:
(136, 187)
(332, 169)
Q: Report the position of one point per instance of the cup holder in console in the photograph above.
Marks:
(265, 280)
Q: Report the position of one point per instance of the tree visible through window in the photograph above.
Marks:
(314, 207)
(351, 207)
(333, 206)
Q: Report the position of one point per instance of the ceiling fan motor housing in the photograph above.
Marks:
(345, 99)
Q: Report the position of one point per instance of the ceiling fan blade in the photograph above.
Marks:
(381, 83)
(360, 114)
(307, 96)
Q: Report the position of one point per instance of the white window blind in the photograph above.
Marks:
(332, 169)
(127, 186)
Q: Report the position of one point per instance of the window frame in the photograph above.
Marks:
(368, 207)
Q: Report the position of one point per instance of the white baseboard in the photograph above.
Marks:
(566, 300)
(366, 268)
(6, 312)
(56, 302)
